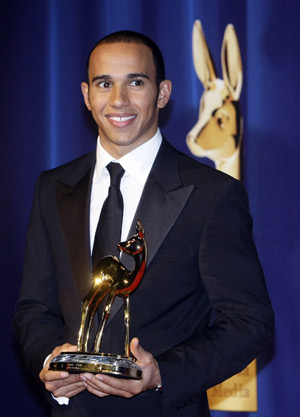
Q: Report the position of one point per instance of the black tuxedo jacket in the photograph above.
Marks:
(201, 309)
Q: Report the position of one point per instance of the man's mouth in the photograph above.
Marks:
(121, 118)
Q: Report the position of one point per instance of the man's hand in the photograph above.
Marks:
(104, 385)
(61, 384)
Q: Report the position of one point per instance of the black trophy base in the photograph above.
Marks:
(96, 363)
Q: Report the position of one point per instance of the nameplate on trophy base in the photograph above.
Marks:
(115, 365)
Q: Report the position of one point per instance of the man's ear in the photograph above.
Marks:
(85, 93)
(164, 93)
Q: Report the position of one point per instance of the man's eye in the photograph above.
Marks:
(137, 83)
(104, 84)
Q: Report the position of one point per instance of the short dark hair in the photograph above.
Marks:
(129, 36)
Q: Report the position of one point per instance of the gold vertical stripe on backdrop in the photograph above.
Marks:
(218, 135)
(238, 393)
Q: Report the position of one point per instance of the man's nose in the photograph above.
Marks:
(119, 96)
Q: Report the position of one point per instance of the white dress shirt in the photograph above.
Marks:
(137, 165)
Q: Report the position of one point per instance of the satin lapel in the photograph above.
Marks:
(73, 206)
(163, 199)
(161, 203)
(158, 212)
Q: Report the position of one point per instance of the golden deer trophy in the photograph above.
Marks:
(110, 279)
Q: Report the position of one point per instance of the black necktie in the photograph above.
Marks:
(109, 227)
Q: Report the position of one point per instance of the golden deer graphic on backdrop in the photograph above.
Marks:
(217, 134)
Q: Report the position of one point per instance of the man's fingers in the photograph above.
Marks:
(53, 375)
(68, 390)
(102, 385)
(66, 347)
(141, 355)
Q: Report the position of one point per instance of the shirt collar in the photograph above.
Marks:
(137, 163)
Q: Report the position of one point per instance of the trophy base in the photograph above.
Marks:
(96, 363)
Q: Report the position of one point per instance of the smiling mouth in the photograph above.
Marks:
(121, 118)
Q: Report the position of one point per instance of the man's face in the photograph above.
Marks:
(123, 96)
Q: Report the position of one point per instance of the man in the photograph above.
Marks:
(201, 312)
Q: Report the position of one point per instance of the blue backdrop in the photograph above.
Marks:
(43, 50)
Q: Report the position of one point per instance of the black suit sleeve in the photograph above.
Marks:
(38, 321)
(242, 317)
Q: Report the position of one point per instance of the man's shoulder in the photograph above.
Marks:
(72, 169)
(87, 158)
(195, 172)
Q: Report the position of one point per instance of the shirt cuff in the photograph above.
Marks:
(61, 400)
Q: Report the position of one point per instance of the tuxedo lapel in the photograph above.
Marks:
(73, 200)
(158, 212)
(162, 200)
